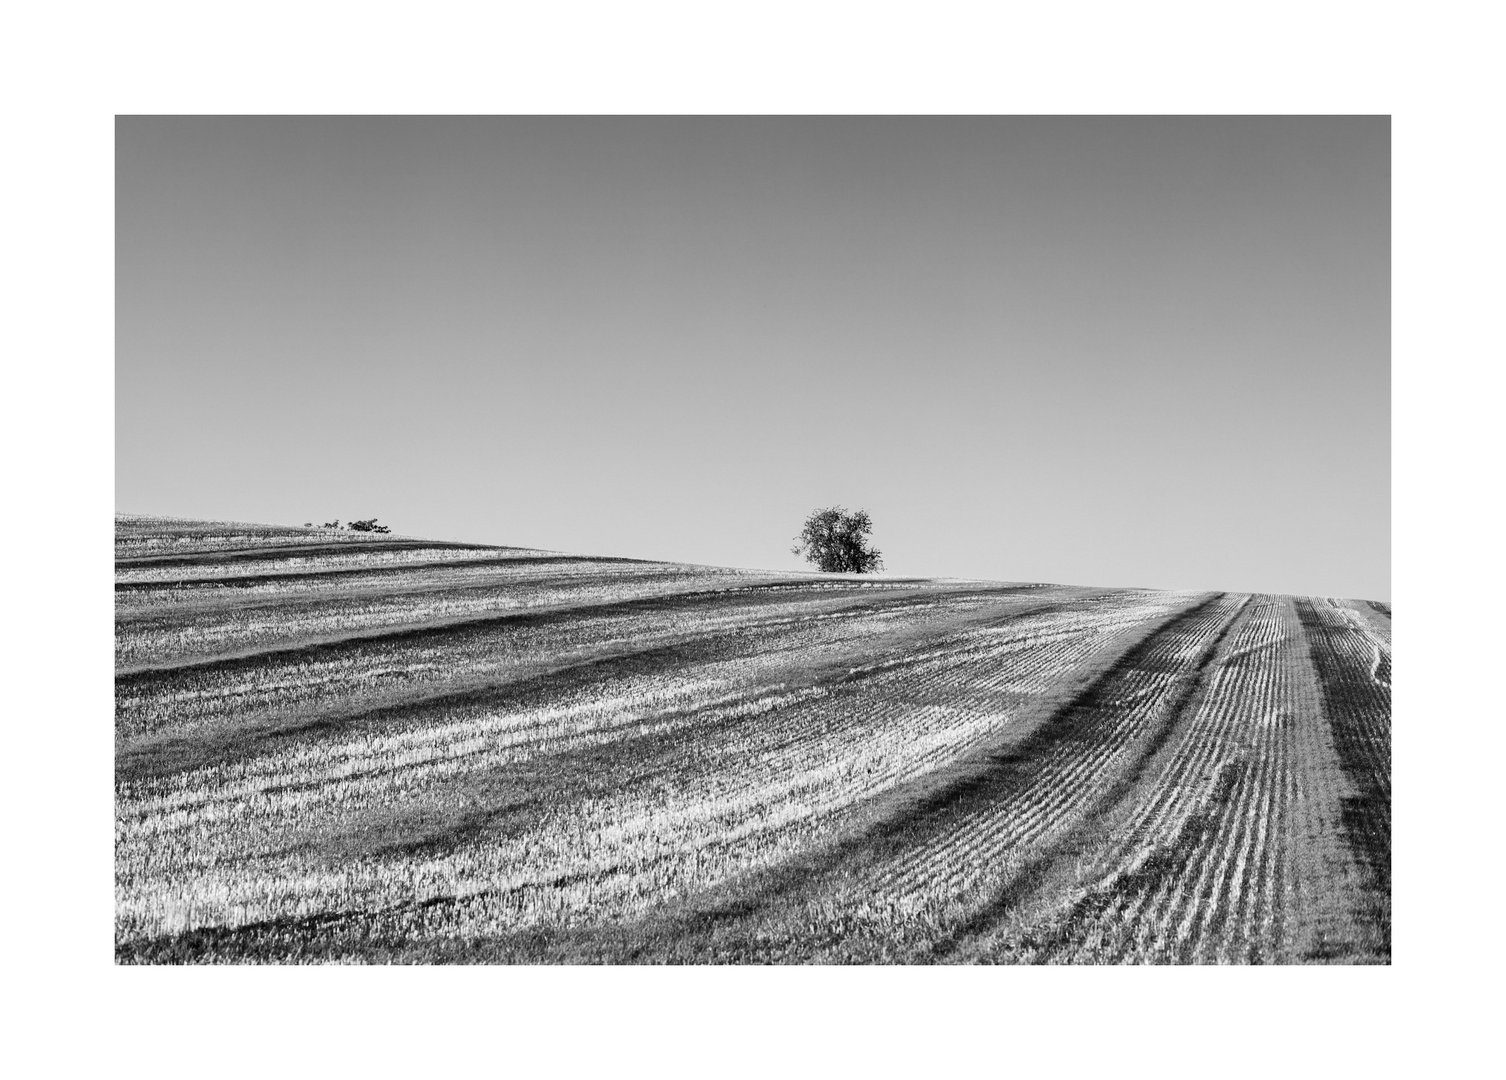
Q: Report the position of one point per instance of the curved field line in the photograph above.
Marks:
(913, 814)
(216, 556)
(793, 747)
(318, 646)
(1225, 861)
(337, 684)
(757, 767)
(1357, 702)
(1064, 773)
(262, 626)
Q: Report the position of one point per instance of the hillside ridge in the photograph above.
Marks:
(384, 748)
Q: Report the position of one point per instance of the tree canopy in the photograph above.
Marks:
(836, 541)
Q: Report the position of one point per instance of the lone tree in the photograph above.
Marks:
(836, 542)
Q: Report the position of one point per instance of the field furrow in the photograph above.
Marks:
(340, 746)
(1225, 859)
(1354, 670)
(811, 754)
(1065, 769)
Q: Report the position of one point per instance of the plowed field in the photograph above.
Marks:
(334, 746)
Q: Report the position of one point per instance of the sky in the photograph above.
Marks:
(1119, 351)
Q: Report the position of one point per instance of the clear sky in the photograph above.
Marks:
(1108, 351)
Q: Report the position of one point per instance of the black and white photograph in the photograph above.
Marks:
(813, 540)
(753, 540)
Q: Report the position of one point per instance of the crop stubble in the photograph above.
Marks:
(331, 748)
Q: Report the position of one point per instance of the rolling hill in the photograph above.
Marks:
(336, 746)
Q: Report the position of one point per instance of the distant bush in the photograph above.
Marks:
(368, 525)
(837, 542)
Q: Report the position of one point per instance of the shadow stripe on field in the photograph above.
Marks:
(1359, 714)
(761, 918)
(148, 756)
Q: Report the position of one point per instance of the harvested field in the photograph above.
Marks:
(340, 747)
